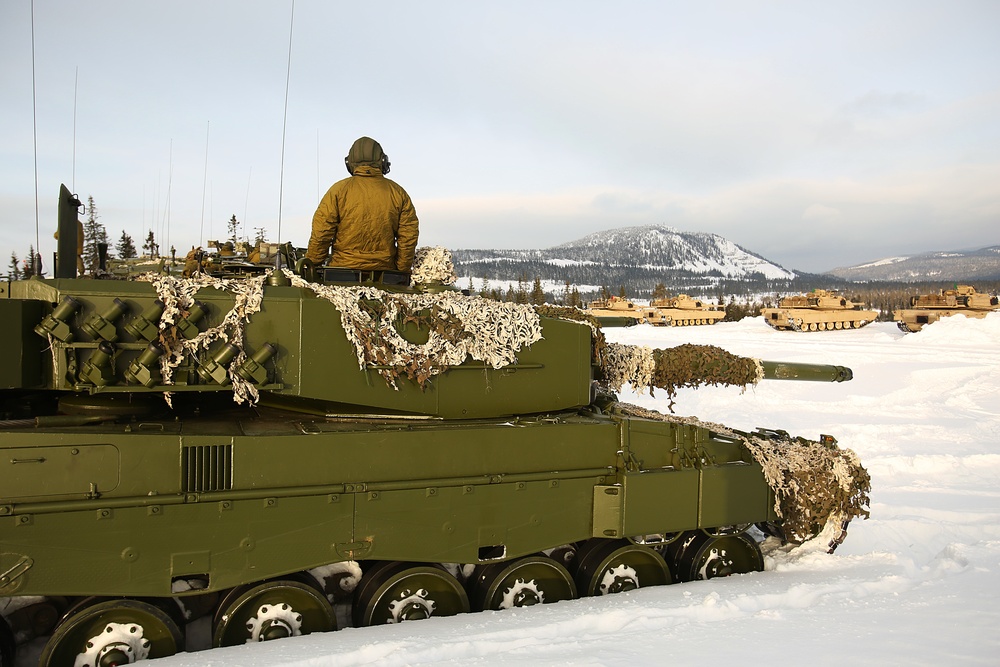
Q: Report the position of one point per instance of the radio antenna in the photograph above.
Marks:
(284, 123)
(76, 82)
(246, 202)
(204, 186)
(36, 260)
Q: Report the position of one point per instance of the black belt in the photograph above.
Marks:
(383, 277)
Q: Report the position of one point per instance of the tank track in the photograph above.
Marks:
(98, 630)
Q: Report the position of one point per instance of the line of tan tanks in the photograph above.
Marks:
(929, 308)
(678, 311)
(246, 450)
(819, 310)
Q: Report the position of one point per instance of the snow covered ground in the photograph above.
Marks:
(918, 583)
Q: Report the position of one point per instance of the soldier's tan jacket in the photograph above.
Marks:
(368, 220)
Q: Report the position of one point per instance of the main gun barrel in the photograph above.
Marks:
(784, 370)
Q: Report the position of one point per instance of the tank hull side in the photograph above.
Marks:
(917, 319)
(233, 508)
(808, 319)
(678, 317)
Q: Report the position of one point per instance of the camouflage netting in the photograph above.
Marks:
(433, 265)
(458, 327)
(670, 369)
(177, 295)
(815, 484)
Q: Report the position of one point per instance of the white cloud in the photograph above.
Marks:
(821, 213)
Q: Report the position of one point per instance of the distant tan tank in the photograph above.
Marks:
(928, 308)
(682, 311)
(819, 310)
(617, 311)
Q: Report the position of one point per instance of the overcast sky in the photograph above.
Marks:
(817, 134)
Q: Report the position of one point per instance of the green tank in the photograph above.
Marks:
(251, 450)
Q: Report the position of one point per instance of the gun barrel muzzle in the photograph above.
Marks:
(783, 370)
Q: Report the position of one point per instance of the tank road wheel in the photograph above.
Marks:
(7, 645)
(393, 592)
(112, 632)
(698, 555)
(839, 325)
(520, 583)
(614, 566)
(271, 610)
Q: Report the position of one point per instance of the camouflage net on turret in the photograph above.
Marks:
(815, 484)
(177, 295)
(458, 327)
(433, 265)
(673, 368)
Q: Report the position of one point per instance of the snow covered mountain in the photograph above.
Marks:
(636, 257)
(665, 248)
(982, 264)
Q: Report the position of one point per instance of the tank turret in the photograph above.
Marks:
(682, 311)
(253, 447)
(927, 308)
(819, 310)
(616, 311)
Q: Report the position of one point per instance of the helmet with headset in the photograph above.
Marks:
(366, 151)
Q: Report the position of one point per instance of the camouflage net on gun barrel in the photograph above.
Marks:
(673, 368)
(815, 484)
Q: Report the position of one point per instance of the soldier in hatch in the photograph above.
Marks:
(368, 220)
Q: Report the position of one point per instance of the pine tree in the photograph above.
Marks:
(660, 291)
(15, 268)
(93, 234)
(233, 225)
(27, 266)
(575, 300)
(537, 296)
(260, 234)
(150, 247)
(125, 247)
(521, 296)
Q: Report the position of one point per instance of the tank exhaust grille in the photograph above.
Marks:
(207, 468)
